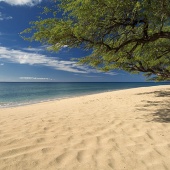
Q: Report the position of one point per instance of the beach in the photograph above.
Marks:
(118, 130)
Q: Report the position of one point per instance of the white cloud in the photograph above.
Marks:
(34, 78)
(22, 57)
(65, 46)
(111, 73)
(1, 64)
(92, 76)
(22, 2)
(4, 17)
(30, 57)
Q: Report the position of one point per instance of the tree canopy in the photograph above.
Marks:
(123, 34)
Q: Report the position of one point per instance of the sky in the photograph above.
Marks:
(20, 63)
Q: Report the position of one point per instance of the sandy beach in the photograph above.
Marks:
(119, 130)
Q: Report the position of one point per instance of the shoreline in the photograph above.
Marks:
(70, 97)
(125, 129)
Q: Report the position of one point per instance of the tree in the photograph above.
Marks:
(133, 35)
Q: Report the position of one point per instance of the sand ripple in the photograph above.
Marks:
(127, 129)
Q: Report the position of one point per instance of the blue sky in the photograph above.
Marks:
(19, 63)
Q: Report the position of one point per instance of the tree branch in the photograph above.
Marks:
(144, 40)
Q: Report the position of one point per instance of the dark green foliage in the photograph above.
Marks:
(123, 34)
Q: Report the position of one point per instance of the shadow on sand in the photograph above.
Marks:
(162, 107)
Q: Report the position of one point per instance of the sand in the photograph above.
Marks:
(120, 130)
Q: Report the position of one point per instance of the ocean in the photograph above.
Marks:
(15, 94)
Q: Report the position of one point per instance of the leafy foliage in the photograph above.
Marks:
(123, 34)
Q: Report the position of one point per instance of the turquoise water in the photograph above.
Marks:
(13, 94)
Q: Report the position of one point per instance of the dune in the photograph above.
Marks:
(119, 130)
